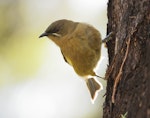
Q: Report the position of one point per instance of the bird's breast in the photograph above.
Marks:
(80, 56)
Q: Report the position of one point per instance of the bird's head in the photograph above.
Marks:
(59, 29)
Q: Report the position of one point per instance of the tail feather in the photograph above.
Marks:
(93, 87)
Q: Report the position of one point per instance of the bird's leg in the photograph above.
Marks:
(99, 77)
(108, 37)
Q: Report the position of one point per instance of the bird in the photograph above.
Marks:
(80, 45)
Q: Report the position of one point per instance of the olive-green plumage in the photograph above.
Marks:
(80, 45)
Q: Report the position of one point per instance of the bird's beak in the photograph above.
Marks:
(44, 34)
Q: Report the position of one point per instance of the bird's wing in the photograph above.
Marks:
(64, 57)
(94, 38)
(67, 60)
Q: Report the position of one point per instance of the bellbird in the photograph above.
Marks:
(80, 45)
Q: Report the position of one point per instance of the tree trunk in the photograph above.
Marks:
(128, 74)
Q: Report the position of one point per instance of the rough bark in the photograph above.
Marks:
(128, 73)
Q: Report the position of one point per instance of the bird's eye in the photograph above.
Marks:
(56, 34)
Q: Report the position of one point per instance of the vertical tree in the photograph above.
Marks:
(128, 74)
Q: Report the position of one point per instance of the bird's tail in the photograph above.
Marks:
(93, 87)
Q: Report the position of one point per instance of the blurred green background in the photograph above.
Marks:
(35, 82)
